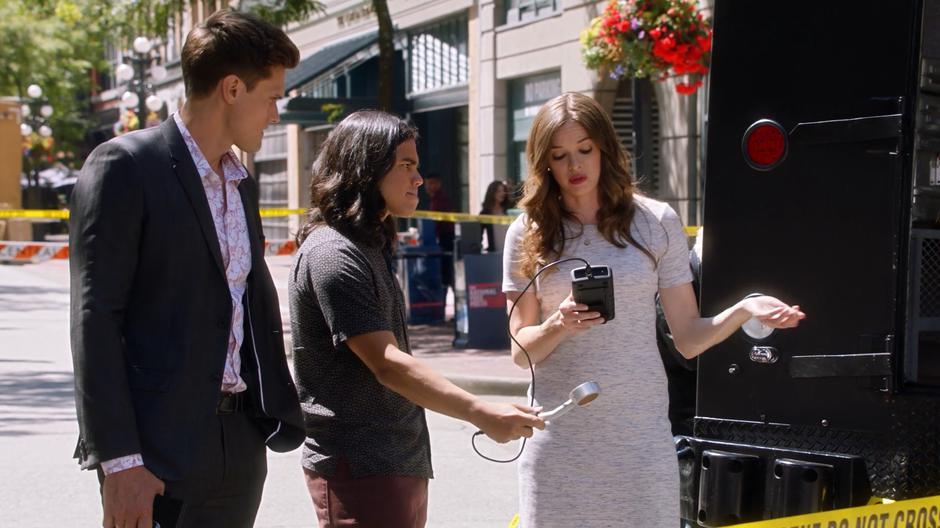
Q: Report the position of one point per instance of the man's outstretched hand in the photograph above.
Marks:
(504, 422)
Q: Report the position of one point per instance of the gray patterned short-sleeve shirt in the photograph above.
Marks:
(340, 289)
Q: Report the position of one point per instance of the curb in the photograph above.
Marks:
(492, 386)
(478, 385)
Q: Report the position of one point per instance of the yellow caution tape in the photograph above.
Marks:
(272, 212)
(464, 217)
(34, 213)
(265, 213)
(443, 217)
(914, 513)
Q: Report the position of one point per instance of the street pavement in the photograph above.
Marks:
(42, 485)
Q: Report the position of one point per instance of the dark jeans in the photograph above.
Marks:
(378, 501)
(229, 476)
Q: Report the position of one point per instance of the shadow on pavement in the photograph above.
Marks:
(431, 340)
(32, 398)
(2, 360)
(14, 296)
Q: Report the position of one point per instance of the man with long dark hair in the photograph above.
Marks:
(180, 373)
(367, 456)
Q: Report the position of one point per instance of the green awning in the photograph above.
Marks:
(327, 58)
(316, 111)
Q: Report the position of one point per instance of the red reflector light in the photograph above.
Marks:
(764, 145)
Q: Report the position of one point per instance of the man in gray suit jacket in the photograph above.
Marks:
(180, 373)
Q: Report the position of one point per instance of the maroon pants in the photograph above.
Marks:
(386, 501)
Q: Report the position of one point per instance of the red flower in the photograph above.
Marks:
(704, 43)
(678, 43)
(685, 89)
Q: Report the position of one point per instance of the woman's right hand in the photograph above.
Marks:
(575, 318)
(773, 312)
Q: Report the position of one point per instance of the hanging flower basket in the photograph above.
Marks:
(650, 38)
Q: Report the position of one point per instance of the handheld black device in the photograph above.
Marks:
(593, 286)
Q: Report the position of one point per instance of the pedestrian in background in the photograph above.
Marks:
(443, 230)
(180, 372)
(496, 201)
(367, 458)
(612, 463)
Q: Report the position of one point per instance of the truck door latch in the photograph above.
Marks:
(764, 354)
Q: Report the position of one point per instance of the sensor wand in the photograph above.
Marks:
(580, 396)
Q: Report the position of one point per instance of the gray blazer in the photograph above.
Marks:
(151, 309)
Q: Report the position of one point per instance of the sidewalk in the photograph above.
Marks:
(477, 371)
(38, 426)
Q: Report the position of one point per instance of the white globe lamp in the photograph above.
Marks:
(142, 45)
(130, 100)
(154, 103)
(124, 72)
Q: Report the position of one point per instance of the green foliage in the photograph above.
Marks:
(54, 44)
(282, 12)
(58, 43)
(334, 111)
(131, 18)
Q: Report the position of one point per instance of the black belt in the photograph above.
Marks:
(231, 402)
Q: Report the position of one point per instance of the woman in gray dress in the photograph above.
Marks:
(611, 463)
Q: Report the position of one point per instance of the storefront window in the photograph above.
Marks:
(524, 10)
(438, 56)
(271, 171)
(463, 153)
(526, 96)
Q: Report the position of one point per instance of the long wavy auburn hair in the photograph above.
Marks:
(546, 230)
(344, 188)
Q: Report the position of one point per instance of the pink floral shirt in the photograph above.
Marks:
(231, 228)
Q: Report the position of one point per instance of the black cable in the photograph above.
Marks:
(473, 439)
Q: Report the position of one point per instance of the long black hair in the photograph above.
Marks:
(344, 189)
(489, 198)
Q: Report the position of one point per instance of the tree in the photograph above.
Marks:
(54, 45)
(153, 17)
(58, 44)
(283, 12)
(386, 54)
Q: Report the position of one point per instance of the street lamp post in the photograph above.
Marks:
(140, 94)
(36, 112)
